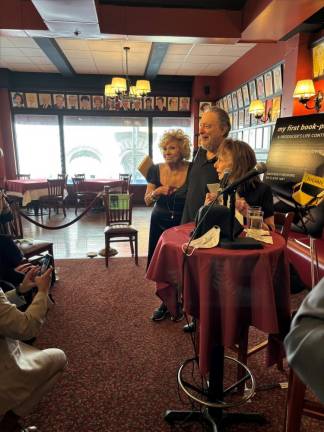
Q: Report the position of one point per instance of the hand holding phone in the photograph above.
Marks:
(45, 264)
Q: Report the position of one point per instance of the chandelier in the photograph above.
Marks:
(123, 88)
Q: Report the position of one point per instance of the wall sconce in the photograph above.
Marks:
(257, 109)
(304, 91)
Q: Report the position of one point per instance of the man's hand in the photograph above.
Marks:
(29, 281)
(43, 282)
(23, 268)
(210, 198)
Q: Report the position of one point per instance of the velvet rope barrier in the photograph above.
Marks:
(99, 195)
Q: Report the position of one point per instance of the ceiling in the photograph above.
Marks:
(87, 36)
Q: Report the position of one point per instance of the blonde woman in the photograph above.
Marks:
(166, 190)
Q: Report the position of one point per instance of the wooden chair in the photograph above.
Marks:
(127, 178)
(23, 176)
(297, 405)
(82, 198)
(282, 223)
(31, 250)
(55, 197)
(119, 227)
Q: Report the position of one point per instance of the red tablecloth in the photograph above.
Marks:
(97, 185)
(225, 289)
(21, 186)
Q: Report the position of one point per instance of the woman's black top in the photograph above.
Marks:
(258, 194)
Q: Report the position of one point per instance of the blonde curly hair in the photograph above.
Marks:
(181, 138)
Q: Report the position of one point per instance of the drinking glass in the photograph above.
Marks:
(254, 219)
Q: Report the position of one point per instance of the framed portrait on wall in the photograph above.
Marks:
(109, 103)
(234, 101)
(221, 105)
(59, 101)
(148, 103)
(31, 100)
(240, 103)
(18, 100)
(277, 79)
(84, 102)
(241, 119)
(235, 120)
(160, 103)
(45, 100)
(72, 101)
(225, 104)
(229, 103)
(173, 103)
(252, 88)
(247, 119)
(246, 96)
(137, 104)
(266, 137)
(276, 108)
(252, 138)
(259, 138)
(318, 59)
(205, 107)
(98, 102)
(230, 115)
(268, 110)
(260, 87)
(268, 84)
(184, 103)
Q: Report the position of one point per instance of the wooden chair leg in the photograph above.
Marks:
(106, 250)
(136, 250)
(294, 404)
(131, 244)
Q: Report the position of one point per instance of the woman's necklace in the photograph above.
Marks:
(168, 201)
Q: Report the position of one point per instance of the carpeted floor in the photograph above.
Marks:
(122, 368)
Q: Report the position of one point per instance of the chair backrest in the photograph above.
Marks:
(118, 208)
(77, 182)
(14, 227)
(283, 223)
(127, 179)
(55, 187)
(23, 176)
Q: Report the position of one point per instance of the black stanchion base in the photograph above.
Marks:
(223, 419)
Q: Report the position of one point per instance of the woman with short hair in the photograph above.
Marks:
(166, 189)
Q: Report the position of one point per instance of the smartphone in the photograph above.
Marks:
(45, 264)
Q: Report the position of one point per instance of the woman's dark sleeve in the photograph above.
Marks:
(267, 201)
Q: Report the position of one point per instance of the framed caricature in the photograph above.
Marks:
(268, 84)
(17, 100)
(110, 103)
(239, 98)
(72, 101)
(277, 79)
(276, 108)
(160, 103)
(259, 138)
(260, 87)
(85, 102)
(252, 88)
(149, 103)
(45, 100)
(266, 137)
(204, 107)
(235, 120)
(31, 100)
(137, 105)
(97, 102)
(230, 115)
(59, 101)
(252, 138)
(318, 59)
(234, 101)
(241, 119)
(246, 96)
(268, 110)
(229, 103)
(184, 103)
(221, 105)
(247, 119)
(173, 103)
(225, 104)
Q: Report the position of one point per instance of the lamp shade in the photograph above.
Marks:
(119, 84)
(143, 87)
(304, 89)
(256, 108)
(110, 91)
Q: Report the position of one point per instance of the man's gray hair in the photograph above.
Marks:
(223, 118)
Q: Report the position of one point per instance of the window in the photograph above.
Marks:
(163, 124)
(38, 145)
(103, 147)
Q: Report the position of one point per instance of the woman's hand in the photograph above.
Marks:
(23, 268)
(43, 282)
(29, 281)
(209, 198)
(242, 206)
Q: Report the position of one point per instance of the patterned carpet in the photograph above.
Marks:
(122, 368)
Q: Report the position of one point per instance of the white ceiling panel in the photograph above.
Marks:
(179, 48)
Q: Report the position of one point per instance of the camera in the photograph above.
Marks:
(46, 263)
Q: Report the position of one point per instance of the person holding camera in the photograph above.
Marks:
(28, 372)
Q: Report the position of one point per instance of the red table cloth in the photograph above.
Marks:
(225, 289)
(97, 185)
(21, 186)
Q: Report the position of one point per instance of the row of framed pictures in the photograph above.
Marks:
(242, 118)
(259, 138)
(262, 87)
(98, 102)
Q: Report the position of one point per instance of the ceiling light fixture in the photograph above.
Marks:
(304, 91)
(122, 87)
